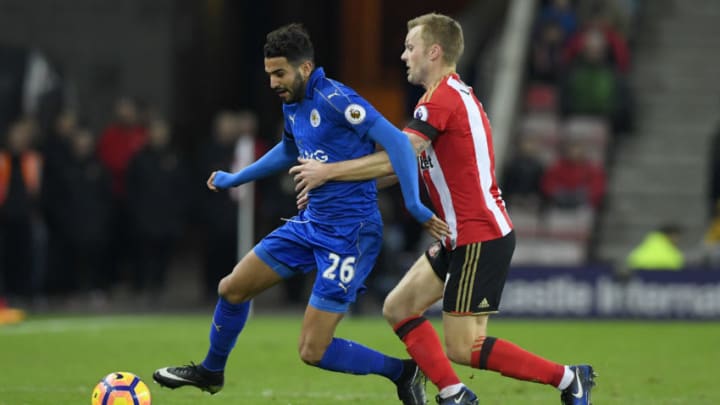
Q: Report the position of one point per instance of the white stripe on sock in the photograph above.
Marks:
(567, 379)
(451, 390)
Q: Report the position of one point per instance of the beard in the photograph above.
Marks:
(296, 90)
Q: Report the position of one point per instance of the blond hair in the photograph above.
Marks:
(442, 30)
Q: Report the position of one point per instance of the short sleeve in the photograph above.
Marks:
(430, 119)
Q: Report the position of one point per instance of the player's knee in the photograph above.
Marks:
(230, 294)
(458, 352)
(311, 354)
(393, 310)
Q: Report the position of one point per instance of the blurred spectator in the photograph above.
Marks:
(592, 86)
(714, 175)
(618, 14)
(81, 202)
(57, 155)
(235, 144)
(20, 186)
(616, 52)
(523, 174)
(658, 250)
(561, 14)
(546, 60)
(120, 141)
(157, 206)
(218, 211)
(573, 180)
(118, 144)
(56, 145)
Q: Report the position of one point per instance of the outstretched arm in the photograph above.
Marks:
(280, 157)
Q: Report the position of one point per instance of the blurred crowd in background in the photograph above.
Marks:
(84, 211)
(577, 107)
(88, 210)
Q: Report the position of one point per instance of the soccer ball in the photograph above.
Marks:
(121, 388)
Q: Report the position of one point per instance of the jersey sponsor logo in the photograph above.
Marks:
(314, 118)
(318, 155)
(292, 118)
(355, 114)
(484, 304)
(426, 162)
(421, 113)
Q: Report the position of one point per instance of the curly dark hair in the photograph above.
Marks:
(291, 41)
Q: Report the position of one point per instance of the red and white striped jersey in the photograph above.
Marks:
(458, 168)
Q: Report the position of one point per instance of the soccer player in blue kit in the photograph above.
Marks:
(339, 233)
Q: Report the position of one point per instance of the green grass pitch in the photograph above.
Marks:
(58, 361)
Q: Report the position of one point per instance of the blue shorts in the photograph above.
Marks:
(344, 255)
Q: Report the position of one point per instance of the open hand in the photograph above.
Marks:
(437, 228)
(309, 174)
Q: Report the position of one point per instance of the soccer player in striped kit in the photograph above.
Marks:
(467, 268)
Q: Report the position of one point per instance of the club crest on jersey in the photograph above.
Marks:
(355, 114)
(421, 113)
(314, 118)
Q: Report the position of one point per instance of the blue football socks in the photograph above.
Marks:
(341, 355)
(228, 321)
(353, 358)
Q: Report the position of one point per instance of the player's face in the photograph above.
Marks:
(286, 80)
(415, 56)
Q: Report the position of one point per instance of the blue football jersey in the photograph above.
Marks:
(330, 124)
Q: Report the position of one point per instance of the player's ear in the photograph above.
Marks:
(435, 52)
(306, 69)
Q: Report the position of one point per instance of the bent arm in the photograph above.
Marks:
(376, 165)
(280, 157)
(364, 168)
(386, 181)
(310, 174)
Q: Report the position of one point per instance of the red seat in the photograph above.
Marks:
(541, 97)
